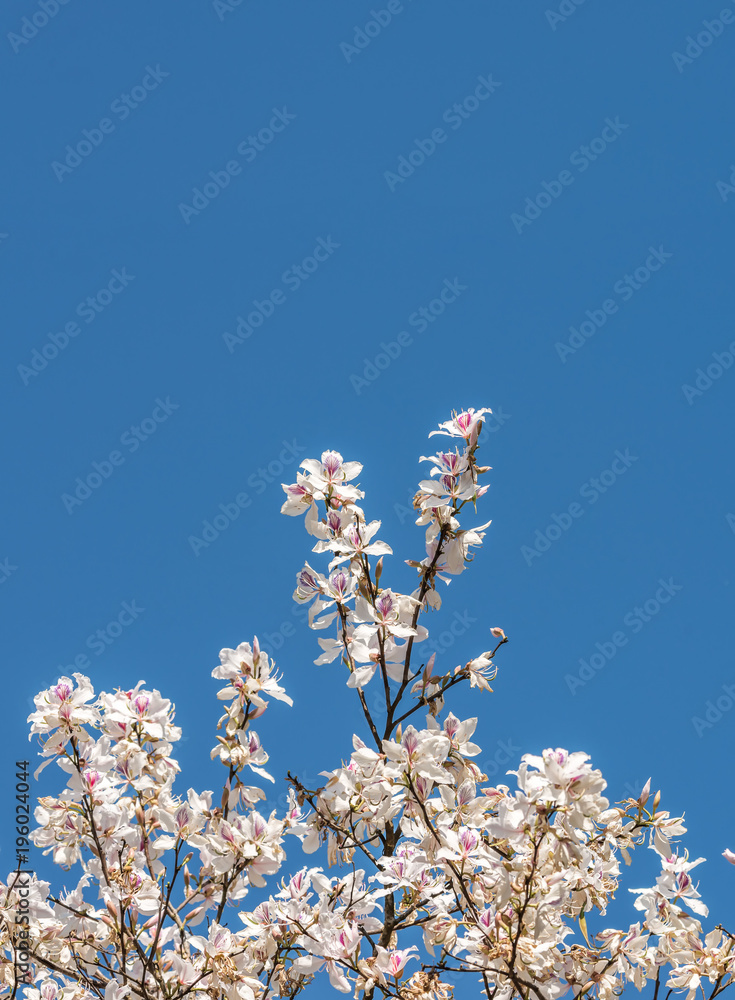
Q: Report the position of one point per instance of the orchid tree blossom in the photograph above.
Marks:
(426, 875)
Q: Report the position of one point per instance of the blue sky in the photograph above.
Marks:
(222, 220)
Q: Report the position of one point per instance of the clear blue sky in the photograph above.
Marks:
(174, 172)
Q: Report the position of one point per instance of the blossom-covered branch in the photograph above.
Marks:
(183, 895)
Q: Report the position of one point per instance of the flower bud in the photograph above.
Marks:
(429, 667)
(497, 632)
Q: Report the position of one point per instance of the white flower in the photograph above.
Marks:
(251, 675)
(62, 710)
(463, 425)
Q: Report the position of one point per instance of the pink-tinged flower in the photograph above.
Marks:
(392, 963)
(447, 463)
(386, 612)
(63, 712)
(92, 779)
(243, 750)
(468, 840)
(497, 632)
(729, 855)
(329, 527)
(391, 611)
(220, 943)
(463, 425)
(47, 990)
(146, 710)
(331, 470)
(461, 844)
(355, 541)
(341, 587)
(251, 675)
(675, 884)
(480, 671)
(64, 705)
(331, 464)
(140, 705)
(645, 793)
(458, 733)
(309, 583)
(438, 492)
(299, 496)
(420, 753)
(180, 822)
(298, 886)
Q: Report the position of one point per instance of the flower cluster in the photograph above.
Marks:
(377, 627)
(509, 887)
(129, 919)
(250, 676)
